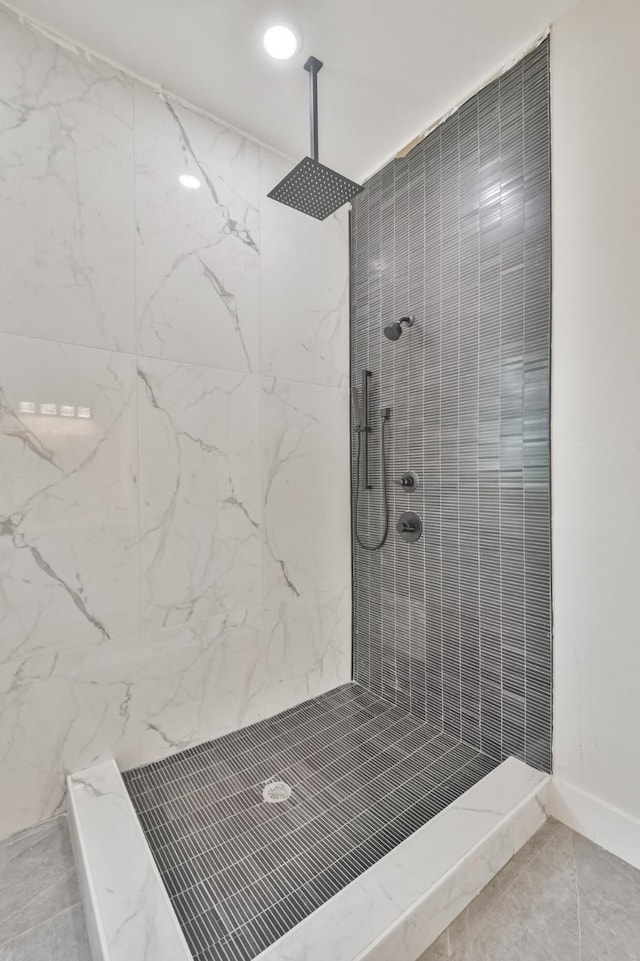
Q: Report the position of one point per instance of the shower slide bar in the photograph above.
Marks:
(365, 427)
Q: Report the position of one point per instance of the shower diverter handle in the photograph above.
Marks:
(409, 527)
(406, 527)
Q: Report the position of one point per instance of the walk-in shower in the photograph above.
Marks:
(254, 831)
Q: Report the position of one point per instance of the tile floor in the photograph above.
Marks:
(561, 898)
(40, 912)
(241, 872)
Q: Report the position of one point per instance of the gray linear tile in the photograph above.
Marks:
(459, 233)
(37, 877)
(61, 938)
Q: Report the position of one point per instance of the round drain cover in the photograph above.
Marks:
(276, 791)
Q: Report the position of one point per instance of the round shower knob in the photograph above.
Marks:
(409, 480)
(409, 527)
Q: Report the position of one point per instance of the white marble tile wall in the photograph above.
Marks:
(174, 486)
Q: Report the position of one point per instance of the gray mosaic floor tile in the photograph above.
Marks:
(241, 872)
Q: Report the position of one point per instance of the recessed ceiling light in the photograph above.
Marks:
(189, 181)
(280, 42)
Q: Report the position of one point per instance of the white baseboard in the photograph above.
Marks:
(606, 825)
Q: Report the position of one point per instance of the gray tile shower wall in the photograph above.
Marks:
(456, 628)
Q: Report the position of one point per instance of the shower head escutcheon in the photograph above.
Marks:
(311, 187)
(394, 330)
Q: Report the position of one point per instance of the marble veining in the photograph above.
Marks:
(304, 424)
(198, 253)
(200, 511)
(304, 336)
(211, 675)
(66, 194)
(174, 555)
(128, 909)
(173, 374)
(68, 497)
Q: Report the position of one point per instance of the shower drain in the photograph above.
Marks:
(276, 791)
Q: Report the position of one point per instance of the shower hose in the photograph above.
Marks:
(383, 457)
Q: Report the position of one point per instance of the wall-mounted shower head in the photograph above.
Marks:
(394, 330)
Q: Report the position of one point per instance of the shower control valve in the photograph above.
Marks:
(409, 527)
(409, 481)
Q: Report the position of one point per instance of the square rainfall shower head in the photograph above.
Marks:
(311, 187)
(315, 189)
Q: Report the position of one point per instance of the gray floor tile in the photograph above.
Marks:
(37, 877)
(468, 920)
(546, 895)
(500, 935)
(608, 904)
(561, 898)
(61, 938)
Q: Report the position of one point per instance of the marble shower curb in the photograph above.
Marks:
(391, 912)
(400, 905)
(127, 909)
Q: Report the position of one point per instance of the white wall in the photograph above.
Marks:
(596, 399)
(176, 565)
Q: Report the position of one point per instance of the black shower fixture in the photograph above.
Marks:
(363, 430)
(311, 187)
(394, 330)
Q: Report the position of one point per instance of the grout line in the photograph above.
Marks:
(435, 788)
(260, 375)
(205, 747)
(268, 823)
(279, 771)
(39, 924)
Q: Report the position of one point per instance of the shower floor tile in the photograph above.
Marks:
(242, 872)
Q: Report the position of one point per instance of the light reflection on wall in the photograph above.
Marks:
(53, 410)
(59, 420)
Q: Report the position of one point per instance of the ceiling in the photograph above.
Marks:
(392, 67)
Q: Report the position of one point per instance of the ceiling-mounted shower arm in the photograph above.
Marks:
(311, 187)
(313, 66)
